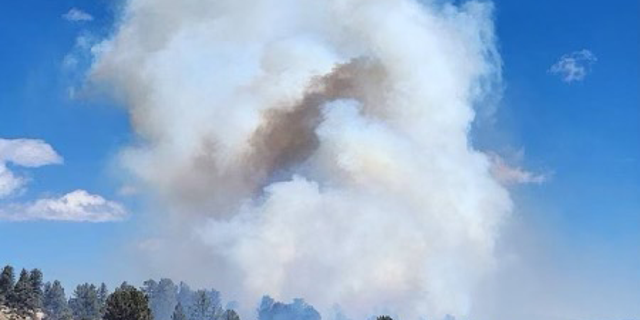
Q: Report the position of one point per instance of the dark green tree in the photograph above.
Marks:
(178, 313)
(7, 281)
(230, 314)
(85, 304)
(35, 296)
(127, 303)
(384, 317)
(20, 300)
(54, 302)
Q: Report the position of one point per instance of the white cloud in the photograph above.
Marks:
(9, 182)
(77, 15)
(76, 206)
(574, 66)
(25, 153)
(511, 175)
(28, 152)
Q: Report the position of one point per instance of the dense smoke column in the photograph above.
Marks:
(314, 149)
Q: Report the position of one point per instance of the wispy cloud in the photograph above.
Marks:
(574, 66)
(77, 62)
(128, 190)
(76, 206)
(77, 15)
(511, 175)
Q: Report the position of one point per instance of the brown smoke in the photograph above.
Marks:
(288, 135)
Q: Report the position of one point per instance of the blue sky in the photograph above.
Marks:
(584, 135)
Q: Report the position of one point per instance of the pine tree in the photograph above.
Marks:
(127, 303)
(7, 281)
(185, 296)
(85, 304)
(264, 310)
(55, 302)
(20, 300)
(163, 297)
(178, 313)
(203, 308)
(230, 314)
(35, 296)
(103, 294)
(297, 310)
(149, 286)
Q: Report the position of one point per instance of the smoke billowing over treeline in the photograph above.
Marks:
(293, 143)
(29, 297)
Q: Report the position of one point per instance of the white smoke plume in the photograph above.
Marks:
(314, 149)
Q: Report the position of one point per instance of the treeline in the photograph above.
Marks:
(29, 297)
(24, 296)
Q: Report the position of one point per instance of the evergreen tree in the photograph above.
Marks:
(185, 296)
(230, 314)
(7, 281)
(384, 318)
(178, 313)
(85, 304)
(20, 299)
(264, 310)
(127, 303)
(35, 296)
(298, 310)
(103, 294)
(202, 307)
(216, 303)
(149, 286)
(55, 302)
(47, 288)
(163, 297)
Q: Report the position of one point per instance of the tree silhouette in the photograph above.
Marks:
(7, 281)
(127, 303)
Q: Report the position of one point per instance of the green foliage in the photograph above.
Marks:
(384, 317)
(21, 298)
(7, 281)
(55, 304)
(85, 304)
(127, 303)
(35, 295)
